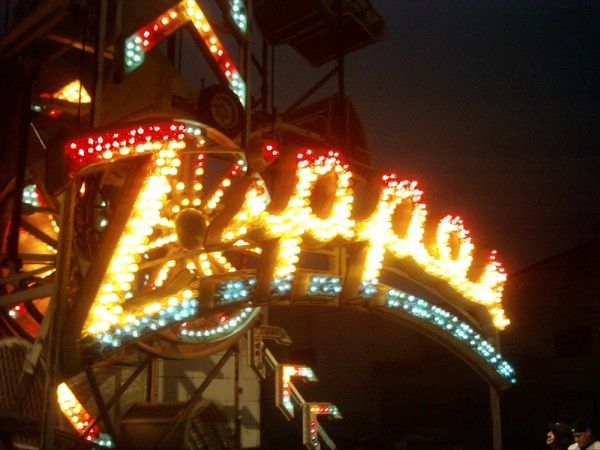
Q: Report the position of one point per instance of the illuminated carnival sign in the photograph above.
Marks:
(303, 217)
(313, 204)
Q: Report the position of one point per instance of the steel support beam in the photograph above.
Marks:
(246, 50)
(15, 279)
(96, 115)
(151, 381)
(36, 24)
(25, 295)
(312, 90)
(59, 297)
(33, 358)
(20, 121)
(113, 400)
(495, 405)
(89, 373)
(39, 234)
(196, 396)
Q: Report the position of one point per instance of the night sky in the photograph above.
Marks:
(493, 106)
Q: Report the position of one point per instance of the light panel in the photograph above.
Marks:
(31, 196)
(239, 15)
(74, 92)
(298, 217)
(310, 430)
(75, 412)
(324, 285)
(282, 285)
(235, 290)
(283, 385)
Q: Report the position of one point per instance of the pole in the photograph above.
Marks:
(496, 421)
(21, 120)
(246, 50)
(151, 380)
(236, 400)
(495, 405)
(96, 116)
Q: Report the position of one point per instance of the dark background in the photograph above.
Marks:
(492, 106)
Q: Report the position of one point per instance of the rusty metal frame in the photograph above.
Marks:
(33, 357)
(93, 383)
(315, 87)
(36, 24)
(105, 408)
(197, 395)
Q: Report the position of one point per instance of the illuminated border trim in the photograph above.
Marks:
(74, 411)
(229, 328)
(78, 416)
(453, 326)
(116, 337)
(125, 142)
(394, 300)
(239, 15)
(147, 37)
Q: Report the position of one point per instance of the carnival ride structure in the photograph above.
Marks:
(146, 220)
